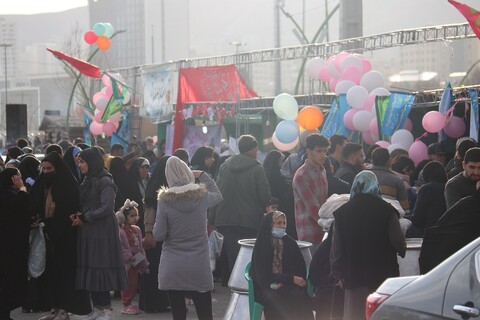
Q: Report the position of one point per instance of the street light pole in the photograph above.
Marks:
(5, 46)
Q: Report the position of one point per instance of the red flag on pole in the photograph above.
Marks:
(470, 14)
(84, 67)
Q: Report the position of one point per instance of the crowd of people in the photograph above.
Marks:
(136, 221)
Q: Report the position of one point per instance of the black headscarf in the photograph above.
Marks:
(262, 259)
(13, 153)
(6, 182)
(157, 180)
(94, 160)
(64, 190)
(69, 158)
(122, 180)
(29, 168)
(434, 172)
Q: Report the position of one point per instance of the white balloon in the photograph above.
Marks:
(403, 138)
(356, 96)
(332, 69)
(394, 147)
(362, 119)
(343, 86)
(313, 68)
(352, 61)
(372, 79)
(381, 92)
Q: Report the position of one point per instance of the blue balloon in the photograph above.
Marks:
(108, 29)
(287, 131)
(99, 29)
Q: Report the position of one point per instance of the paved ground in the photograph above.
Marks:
(220, 299)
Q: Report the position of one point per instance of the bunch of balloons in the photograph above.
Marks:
(100, 34)
(108, 108)
(352, 74)
(287, 132)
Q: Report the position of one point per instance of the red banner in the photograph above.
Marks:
(207, 84)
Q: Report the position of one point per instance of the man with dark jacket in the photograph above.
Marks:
(463, 184)
(352, 163)
(246, 192)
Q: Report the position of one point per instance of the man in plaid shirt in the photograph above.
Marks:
(310, 190)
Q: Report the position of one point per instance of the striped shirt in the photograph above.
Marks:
(310, 191)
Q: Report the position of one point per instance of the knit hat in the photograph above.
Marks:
(246, 143)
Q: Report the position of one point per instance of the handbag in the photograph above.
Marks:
(215, 244)
(37, 253)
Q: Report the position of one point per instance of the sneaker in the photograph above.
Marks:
(107, 314)
(130, 310)
(92, 316)
(50, 316)
(62, 315)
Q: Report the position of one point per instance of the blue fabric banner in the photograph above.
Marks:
(445, 104)
(122, 136)
(330, 126)
(398, 109)
(87, 135)
(474, 121)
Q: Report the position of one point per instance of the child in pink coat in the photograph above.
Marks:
(134, 257)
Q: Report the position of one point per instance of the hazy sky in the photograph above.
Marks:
(38, 6)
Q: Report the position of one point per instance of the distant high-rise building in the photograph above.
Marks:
(8, 36)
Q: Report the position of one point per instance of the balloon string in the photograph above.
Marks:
(422, 136)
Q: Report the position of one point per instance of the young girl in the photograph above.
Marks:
(134, 257)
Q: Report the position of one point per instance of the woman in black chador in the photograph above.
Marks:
(279, 272)
(54, 198)
(15, 223)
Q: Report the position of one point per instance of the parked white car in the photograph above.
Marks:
(450, 291)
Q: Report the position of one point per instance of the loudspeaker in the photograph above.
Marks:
(16, 122)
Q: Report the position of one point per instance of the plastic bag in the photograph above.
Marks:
(37, 255)
(215, 244)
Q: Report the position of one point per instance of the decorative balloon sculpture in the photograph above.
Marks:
(110, 100)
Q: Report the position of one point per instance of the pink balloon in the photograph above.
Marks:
(383, 144)
(95, 128)
(408, 125)
(325, 75)
(339, 59)
(352, 73)
(108, 92)
(332, 84)
(108, 128)
(368, 137)
(418, 151)
(283, 146)
(367, 65)
(455, 127)
(348, 118)
(107, 82)
(98, 116)
(433, 121)
(115, 123)
(373, 127)
(369, 103)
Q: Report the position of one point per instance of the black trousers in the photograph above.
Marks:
(202, 301)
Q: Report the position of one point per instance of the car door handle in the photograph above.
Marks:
(464, 310)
